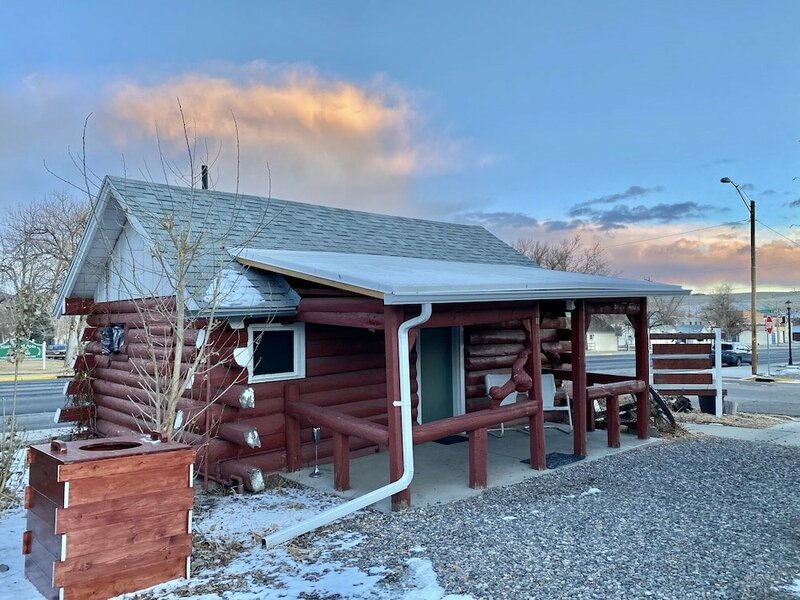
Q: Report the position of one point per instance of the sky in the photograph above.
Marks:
(614, 121)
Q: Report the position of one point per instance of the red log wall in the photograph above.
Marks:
(345, 369)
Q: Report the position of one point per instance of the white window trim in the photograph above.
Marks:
(299, 372)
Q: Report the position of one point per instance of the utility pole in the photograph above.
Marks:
(752, 209)
(789, 323)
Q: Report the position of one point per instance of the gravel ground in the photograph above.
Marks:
(705, 518)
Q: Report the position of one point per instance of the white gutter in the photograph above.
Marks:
(337, 512)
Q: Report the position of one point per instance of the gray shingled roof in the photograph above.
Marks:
(228, 221)
(284, 225)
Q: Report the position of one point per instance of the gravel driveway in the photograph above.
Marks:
(702, 518)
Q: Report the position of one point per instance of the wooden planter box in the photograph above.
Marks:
(107, 516)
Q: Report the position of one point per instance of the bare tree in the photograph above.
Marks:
(39, 241)
(721, 312)
(570, 254)
(176, 279)
(664, 311)
(25, 311)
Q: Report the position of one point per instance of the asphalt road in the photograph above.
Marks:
(37, 402)
(778, 355)
(752, 396)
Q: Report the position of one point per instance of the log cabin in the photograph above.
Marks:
(377, 329)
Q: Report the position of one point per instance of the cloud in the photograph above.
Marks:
(496, 220)
(794, 203)
(687, 253)
(748, 187)
(326, 140)
(634, 191)
(703, 263)
(769, 192)
(622, 216)
(559, 225)
(723, 161)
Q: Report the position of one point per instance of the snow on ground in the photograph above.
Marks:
(229, 562)
(12, 525)
(795, 587)
(12, 581)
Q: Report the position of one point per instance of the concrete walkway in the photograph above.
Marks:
(786, 434)
(441, 471)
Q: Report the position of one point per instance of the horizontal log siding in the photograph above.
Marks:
(345, 370)
(494, 348)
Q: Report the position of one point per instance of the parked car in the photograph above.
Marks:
(733, 355)
(56, 350)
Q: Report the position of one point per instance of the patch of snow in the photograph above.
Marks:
(509, 518)
(255, 573)
(338, 541)
(12, 581)
(243, 518)
(426, 584)
(794, 588)
(258, 574)
(590, 492)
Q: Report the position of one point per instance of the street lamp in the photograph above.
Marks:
(752, 208)
(789, 321)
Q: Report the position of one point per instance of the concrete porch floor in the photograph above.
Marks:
(441, 471)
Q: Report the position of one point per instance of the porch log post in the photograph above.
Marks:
(534, 368)
(478, 458)
(579, 403)
(294, 461)
(591, 414)
(393, 318)
(642, 341)
(612, 416)
(341, 461)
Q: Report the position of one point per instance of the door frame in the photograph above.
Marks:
(459, 375)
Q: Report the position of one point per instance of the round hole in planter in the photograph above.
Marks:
(110, 446)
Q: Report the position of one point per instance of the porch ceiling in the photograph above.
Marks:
(404, 280)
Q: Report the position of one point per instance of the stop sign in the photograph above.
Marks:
(768, 324)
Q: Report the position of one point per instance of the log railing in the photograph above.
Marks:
(610, 387)
(344, 426)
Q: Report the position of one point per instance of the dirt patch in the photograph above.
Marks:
(33, 366)
(749, 420)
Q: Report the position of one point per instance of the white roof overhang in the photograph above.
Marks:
(402, 280)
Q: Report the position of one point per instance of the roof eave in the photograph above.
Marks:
(396, 298)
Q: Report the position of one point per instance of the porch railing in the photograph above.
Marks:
(476, 424)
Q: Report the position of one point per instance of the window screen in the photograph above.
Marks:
(274, 352)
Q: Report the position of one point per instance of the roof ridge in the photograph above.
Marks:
(184, 189)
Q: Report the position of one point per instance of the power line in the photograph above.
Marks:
(661, 237)
(778, 233)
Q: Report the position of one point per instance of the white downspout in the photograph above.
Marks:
(337, 512)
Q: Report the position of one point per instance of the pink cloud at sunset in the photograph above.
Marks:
(679, 253)
(325, 141)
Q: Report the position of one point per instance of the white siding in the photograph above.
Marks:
(132, 271)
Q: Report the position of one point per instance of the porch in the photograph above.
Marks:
(441, 471)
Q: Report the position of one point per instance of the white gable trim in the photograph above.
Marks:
(84, 246)
(97, 214)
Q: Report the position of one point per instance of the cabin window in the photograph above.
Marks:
(278, 352)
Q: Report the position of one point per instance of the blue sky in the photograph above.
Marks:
(615, 119)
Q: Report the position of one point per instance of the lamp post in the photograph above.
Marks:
(752, 209)
(789, 322)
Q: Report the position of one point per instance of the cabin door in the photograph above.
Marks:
(440, 372)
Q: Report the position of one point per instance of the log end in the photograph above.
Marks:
(247, 399)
